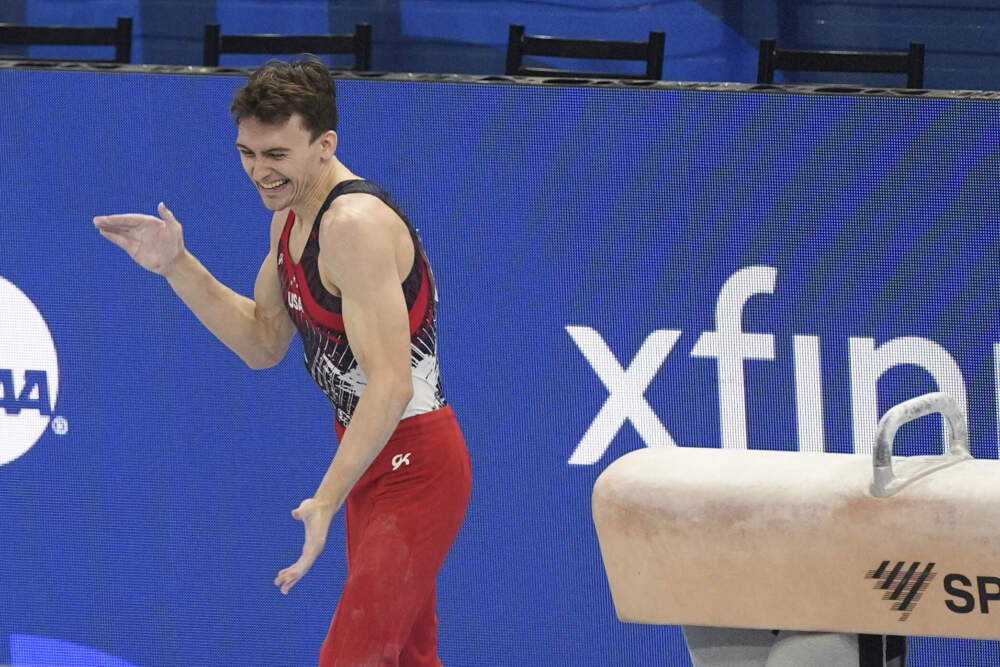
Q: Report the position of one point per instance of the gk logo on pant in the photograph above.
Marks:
(29, 373)
(400, 459)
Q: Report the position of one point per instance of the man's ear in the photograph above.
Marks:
(329, 143)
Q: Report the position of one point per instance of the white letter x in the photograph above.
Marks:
(625, 389)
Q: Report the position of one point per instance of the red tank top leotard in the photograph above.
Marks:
(317, 315)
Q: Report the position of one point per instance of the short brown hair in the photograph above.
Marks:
(279, 89)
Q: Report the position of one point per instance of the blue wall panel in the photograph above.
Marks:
(148, 520)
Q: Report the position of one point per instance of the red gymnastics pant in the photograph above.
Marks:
(402, 517)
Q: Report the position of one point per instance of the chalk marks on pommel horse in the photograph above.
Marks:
(807, 541)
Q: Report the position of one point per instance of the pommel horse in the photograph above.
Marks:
(845, 543)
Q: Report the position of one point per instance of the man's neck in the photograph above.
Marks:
(305, 212)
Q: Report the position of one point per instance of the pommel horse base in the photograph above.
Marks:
(807, 541)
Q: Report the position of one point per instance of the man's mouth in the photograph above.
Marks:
(274, 185)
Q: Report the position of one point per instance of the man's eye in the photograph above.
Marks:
(277, 156)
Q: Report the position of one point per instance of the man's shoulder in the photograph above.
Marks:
(356, 212)
(351, 204)
(359, 229)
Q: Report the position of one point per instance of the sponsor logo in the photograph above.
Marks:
(731, 348)
(400, 459)
(902, 583)
(29, 374)
(985, 590)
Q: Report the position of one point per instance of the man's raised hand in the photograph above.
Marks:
(155, 243)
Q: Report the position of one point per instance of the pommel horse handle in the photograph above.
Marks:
(886, 481)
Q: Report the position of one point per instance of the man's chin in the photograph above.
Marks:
(271, 204)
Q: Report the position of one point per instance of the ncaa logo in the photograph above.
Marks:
(29, 373)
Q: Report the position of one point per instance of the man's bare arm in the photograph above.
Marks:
(257, 329)
(366, 267)
(361, 254)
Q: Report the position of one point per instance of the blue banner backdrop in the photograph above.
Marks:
(617, 268)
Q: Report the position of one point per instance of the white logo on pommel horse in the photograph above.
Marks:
(400, 459)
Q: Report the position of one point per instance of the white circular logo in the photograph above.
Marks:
(29, 373)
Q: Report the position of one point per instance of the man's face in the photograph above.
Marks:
(281, 160)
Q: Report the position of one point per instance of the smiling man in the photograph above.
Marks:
(346, 269)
